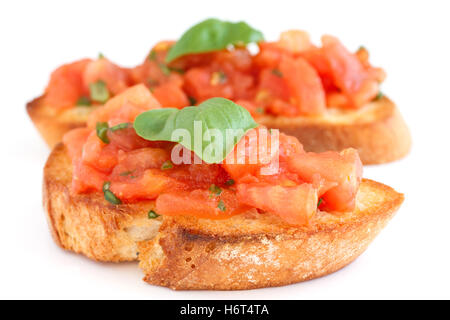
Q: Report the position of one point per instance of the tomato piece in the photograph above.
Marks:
(204, 83)
(250, 154)
(304, 84)
(348, 72)
(171, 95)
(74, 141)
(295, 205)
(85, 178)
(145, 187)
(295, 41)
(272, 81)
(132, 163)
(66, 85)
(137, 98)
(99, 155)
(269, 55)
(343, 168)
(115, 77)
(200, 203)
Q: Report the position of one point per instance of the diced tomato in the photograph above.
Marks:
(250, 154)
(200, 203)
(343, 168)
(85, 178)
(304, 84)
(146, 187)
(138, 97)
(296, 205)
(171, 95)
(99, 155)
(272, 81)
(348, 72)
(133, 162)
(295, 41)
(66, 85)
(115, 77)
(269, 56)
(204, 83)
(74, 141)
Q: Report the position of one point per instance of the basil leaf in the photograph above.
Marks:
(152, 214)
(214, 117)
(212, 35)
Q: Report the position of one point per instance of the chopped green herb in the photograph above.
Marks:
(230, 182)
(125, 173)
(165, 69)
(84, 102)
(152, 214)
(215, 190)
(192, 101)
(152, 56)
(221, 206)
(100, 55)
(111, 197)
(120, 126)
(106, 186)
(361, 48)
(320, 202)
(167, 165)
(260, 110)
(379, 95)
(277, 73)
(99, 91)
(152, 82)
(102, 131)
(177, 70)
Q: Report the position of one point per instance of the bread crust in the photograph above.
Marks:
(247, 252)
(88, 224)
(377, 131)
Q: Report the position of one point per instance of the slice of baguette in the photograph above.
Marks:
(88, 224)
(53, 123)
(377, 131)
(247, 251)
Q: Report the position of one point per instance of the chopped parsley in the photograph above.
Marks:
(215, 190)
(167, 165)
(277, 72)
(84, 102)
(102, 131)
(99, 92)
(221, 206)
(152, 214)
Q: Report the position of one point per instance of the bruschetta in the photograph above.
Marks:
(326, 96)
(113, 192)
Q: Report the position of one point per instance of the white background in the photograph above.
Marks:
(409, 39)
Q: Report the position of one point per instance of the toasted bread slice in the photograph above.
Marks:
(251, 250)
(53, 123)
(377, 131)
(88, 224)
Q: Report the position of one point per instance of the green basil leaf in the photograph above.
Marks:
(99, 91)
(212, 35)
(152, 214)
(214, 117)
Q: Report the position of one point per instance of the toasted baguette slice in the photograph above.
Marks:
(247, 251)
(53, 123)
(88, 224)
(377, 131)
(259, 250)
